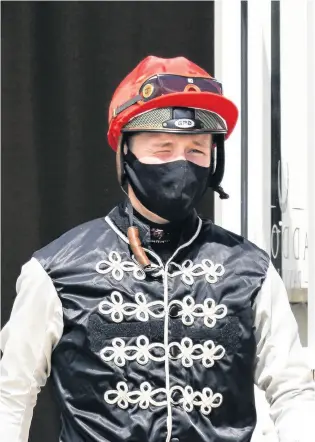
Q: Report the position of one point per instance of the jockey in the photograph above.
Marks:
(155, 323)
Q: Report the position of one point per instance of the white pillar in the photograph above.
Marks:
(259, 123)
(228, 71)
(311, 172)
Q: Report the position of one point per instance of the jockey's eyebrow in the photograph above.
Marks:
(163, 144)
(200, 144)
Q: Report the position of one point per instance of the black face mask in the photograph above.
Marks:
(170, 190)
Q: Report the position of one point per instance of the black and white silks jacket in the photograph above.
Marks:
(171, 355)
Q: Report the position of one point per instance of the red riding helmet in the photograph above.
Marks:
(167, 82)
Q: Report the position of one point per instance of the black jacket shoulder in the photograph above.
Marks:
(78, 239)
(245, 253)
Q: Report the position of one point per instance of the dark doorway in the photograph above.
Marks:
(61, 62)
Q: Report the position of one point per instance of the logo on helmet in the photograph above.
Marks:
(147, 90)
(184, 123)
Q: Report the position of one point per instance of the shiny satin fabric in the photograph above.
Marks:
(82, 378)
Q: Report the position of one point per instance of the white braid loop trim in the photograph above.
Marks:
(206, 399)
(208, 310)
(143, 351)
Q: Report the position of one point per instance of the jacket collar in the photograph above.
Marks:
(120, 217)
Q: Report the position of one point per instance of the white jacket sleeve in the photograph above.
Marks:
(27, 341)
(281, 367)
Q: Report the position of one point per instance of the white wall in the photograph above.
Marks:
(297, 40)
(297, 137)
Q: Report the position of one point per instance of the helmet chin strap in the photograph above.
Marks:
(223, 195)
(132, 231)
(217, 169)
(135, 241)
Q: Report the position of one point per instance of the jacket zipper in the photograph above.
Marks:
(166, 324)
(166, 321)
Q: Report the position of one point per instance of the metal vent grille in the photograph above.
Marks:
(153, 120)
(150, 120)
